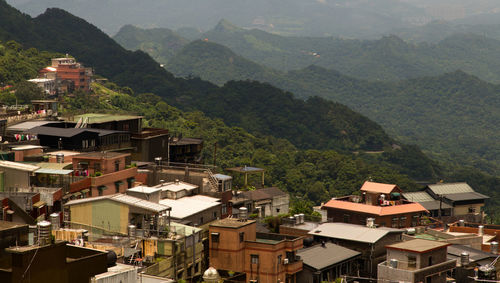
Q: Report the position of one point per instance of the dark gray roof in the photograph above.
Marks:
(450, 188)
(454, 252)
(466, 196)
(320, 257)
(418, 197)
(68, 132)
(434, 205)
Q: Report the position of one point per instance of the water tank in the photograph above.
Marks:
(55, 220)
(494, 247)
(370, 222)
(461, 223)
(243, 213)
(211, 275)
(297, 219)
(44, 233)
(291, 220)
(393, 263)
(480, 230)
(132, 232)
(464, 258)
(302, 216)
(116, 240)
(60, 158)
(158, 161)
(411, 231)
(111, 258)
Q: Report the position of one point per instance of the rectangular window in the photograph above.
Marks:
(347, 218)
(402, 222)
(215, 237)
(412, 261)
(97, 167)
(215, 214)
(117, 165)
(280, 257)
(197, 267)
(394, 223)
(224, 209)
(242, 236)
(414, 220)
(254, 259)
(117, 187)
(472, 210)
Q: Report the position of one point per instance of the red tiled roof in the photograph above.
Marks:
(374, 209)
(378, 187)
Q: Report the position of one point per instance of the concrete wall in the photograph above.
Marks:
(15, 178)
(464, 209)
(105, 215)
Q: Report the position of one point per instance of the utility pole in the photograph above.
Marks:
(215, 154)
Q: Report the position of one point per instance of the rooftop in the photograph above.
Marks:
(26, 147)
(455, 251)
(231, 223)
(186, 141)
(104, 118)
(24, 126)
(144, 190)
(129, 200)
(260, 194)
(375, 209)
(319, 256)
(176, 186)
(119, 268)
(222, 177)
(245, 169)
(6, 225)
(466, 196)
(418, 196)
(352, 232)
(418, 245)
(379, 187)
(18, 166)
(450, 188)
(187, 206)
(68, 132)
(101, 155)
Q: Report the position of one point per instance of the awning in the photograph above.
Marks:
(53, 171)
(118, 183)
(77, 194)
(39, 204)
(101, 188)
(131, 180)
(396, 194)
(85, 191)
(66, 196)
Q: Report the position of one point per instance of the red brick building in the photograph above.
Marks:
(69, 74)
(382, 202)
(268, 258)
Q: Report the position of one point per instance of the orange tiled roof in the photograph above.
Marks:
(378, 187)
(374, 209)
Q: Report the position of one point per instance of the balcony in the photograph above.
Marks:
(411, 274)
(113, 177)
(293, 267)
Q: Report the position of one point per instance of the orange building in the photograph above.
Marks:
(69, 74)
(384, 203)
(106, 173)
(236, 246)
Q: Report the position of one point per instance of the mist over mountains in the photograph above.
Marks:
(339, 18)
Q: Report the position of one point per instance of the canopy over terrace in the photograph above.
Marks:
(54, 175)
(245, 170)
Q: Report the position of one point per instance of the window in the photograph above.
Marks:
(346, 218)
(472, 210)
(224, 209)
(254, 259)
(414, 220)
(242, 236)
(117, 165)
(280, 257)
(277, 210)
(201, 221)
(394, 223)
(402, 222)
(412, 261)
(197, 267)
(215, 214)
(126, 127)
(97, 167)
(215, 237)
(117, 187)
(430, 260)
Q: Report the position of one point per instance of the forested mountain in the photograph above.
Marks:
(388, 58)
(453, 116)
(348, 131)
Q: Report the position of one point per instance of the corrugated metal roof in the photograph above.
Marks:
(378, 187)
(319, 257)
(177, 186)
(129, 200)
(18, 166)
(53, 171)
(450, 188)
(187, 206)
(352, 232)
(144, 189)
(418, 196)
(474, 254)
(222, 177)
(21, 127)
(434, 205)
(466, 196)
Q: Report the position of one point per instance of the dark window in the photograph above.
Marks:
(472, 210)
(402, 222)
(197, 267)
(395, 222)
(117, 187)
(201, 221)
(254, 259)
(100, 192)
(412, 261)
(279, 259)
(117, 165)
(215, 237)
(97, 167)
(242, 236)
(414, 220)
(347, 218)
(428, 279)
(215, 214)
(430, 260)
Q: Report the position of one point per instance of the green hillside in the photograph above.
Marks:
(452, 116)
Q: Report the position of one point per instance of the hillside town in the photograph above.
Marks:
(100, 198)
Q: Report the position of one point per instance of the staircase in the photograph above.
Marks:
(214, 183)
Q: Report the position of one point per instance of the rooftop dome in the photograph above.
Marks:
(211, 275)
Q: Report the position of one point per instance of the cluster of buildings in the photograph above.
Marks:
(100, 198)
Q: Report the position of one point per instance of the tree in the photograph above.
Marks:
(27, 91)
